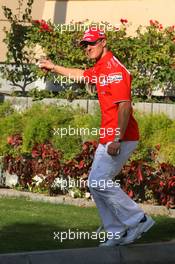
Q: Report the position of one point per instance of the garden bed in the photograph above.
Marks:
(41, 159)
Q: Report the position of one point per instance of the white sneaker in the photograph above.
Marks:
(115, 241)
(136, 232)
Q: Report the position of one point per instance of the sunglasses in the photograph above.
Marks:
(85, 44)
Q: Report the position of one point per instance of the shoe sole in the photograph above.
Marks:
(150, 223)
(112, 242)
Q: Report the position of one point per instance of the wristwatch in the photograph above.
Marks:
(118, 140)
(53, 68)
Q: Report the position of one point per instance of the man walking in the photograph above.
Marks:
(120, 215)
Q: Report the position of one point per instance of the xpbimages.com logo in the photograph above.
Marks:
(101, 184)
(82, 131)
(72, 235)
(85, 26)
(102, 80)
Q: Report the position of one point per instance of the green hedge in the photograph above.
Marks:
(39, 123)
(157, 130)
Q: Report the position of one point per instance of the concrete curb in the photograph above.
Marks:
(155, 253)
(89, 105)
(62, 199)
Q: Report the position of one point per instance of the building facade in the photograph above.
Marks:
(138, 12)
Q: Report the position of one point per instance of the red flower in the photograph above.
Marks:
(116, 29)
(123, 20)
(81, 164)
(161, 184)
(160, 26)
(36, 21)
(130, 193)
(14, 140)
(158, 146)
(36, 151)
(151, 22)
(171, 29)
(155, 23)
(139, 174)
(42, 25)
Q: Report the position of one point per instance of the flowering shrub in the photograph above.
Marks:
(149, 55)
(156, 24)
(79, 166)
(44, 160)
(164, 185)
(43, 170)
(144, 182)
(43, 166)
(133, 179)
(18, 68)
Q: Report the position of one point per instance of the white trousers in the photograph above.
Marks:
(116, 209)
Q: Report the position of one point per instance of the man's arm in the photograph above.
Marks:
(72, 73)
(124, 111)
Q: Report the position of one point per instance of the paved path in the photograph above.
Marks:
(155, 253)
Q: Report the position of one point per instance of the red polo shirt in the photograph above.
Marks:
(113, 82)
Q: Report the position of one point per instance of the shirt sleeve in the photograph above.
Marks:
(90, 75)
(120, 86)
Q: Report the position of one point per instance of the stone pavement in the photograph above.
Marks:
(155, 253)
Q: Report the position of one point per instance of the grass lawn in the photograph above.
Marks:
(28, 226)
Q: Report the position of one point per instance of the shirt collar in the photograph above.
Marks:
(105, 58)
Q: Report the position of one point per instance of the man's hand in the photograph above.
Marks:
(46, 64)
(73, 73)
(113, 148)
